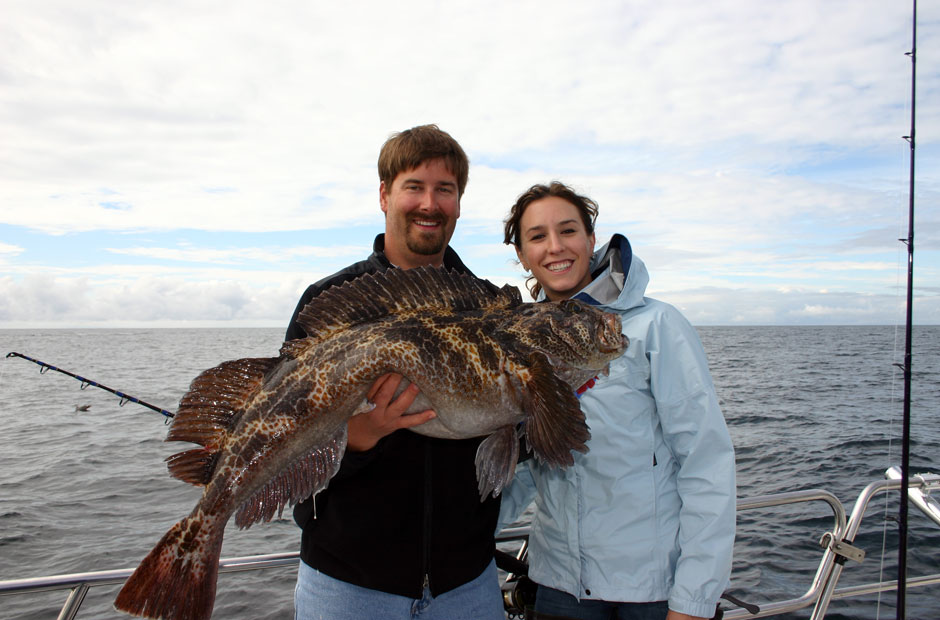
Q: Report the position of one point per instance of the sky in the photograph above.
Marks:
(193, 164)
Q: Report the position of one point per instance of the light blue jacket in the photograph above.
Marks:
(648, 514)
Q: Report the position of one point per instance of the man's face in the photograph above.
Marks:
(421, 210)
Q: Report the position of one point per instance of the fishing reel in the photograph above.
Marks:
(518, 590)
(518, 596)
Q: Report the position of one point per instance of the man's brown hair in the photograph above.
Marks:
(409, 149)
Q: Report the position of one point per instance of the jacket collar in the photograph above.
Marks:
(451, 260)
(609, 268)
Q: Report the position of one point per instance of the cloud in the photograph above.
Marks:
(740, 146)
(44, 301)
(8, 250)
(715, 306)
(242, 255)
(170, 105)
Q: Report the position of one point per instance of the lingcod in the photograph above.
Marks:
(272, 431)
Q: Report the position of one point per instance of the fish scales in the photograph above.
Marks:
(272, 431)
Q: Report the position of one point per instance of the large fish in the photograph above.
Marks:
(273, 430)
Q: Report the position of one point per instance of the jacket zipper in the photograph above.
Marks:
(426, 560)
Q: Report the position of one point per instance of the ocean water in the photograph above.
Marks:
(807, 407)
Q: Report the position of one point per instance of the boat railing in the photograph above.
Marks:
(837, 544)
(837, 549)
(80, 583)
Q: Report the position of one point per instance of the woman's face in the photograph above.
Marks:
(556, 247)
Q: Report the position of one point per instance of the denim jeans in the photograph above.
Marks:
(319, 597)
(556, 602)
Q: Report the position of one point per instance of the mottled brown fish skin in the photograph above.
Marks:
(273, 430)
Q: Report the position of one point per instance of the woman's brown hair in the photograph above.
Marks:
(586, 207)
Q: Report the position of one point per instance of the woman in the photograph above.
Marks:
(642, 526)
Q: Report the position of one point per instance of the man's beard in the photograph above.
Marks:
(426, 243)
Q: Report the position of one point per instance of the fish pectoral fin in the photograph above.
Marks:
(193, 466)
(216, 399)
(554, 423)
(303, 478)
(496, 461)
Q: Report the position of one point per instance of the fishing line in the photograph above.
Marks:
(906, 367)
(893, 399)
(897, 353)
(908, 249)
(125, 398)
(908, 333)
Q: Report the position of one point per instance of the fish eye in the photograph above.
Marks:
(571, 306)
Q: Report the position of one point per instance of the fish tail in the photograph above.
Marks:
(177, 579)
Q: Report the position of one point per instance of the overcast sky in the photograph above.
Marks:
(200, 163)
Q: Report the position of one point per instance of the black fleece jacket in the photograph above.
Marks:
(405, 513)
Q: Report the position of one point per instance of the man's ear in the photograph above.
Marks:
(383, 198)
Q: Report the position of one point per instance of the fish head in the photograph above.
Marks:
(579, 339)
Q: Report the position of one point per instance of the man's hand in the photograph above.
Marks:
(388, 415)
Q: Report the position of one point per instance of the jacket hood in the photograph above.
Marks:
(618, 278)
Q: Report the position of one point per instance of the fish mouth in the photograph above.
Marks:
(611, 340)
(614, 346)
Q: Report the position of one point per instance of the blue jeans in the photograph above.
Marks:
(556, 602)
(320, 597)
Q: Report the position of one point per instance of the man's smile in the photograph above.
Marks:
(427, 223)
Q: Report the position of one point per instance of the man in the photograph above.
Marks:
(400, 532)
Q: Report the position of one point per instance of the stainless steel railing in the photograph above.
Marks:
(80, 583)
(837, 545)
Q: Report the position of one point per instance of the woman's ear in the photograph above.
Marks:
(521, 260)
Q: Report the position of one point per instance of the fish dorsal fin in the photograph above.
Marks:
(376, 295)
(215, 398)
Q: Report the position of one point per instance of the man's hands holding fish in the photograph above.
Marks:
(387, 416)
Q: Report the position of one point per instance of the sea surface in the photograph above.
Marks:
(807, 407)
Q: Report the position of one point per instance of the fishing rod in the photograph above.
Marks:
(125, 398)
(906, 425)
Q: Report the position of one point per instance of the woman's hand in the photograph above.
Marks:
(388, 415)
